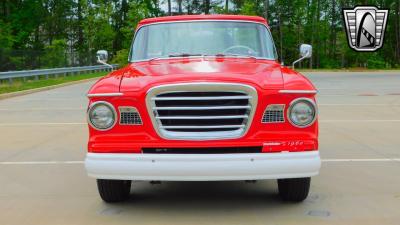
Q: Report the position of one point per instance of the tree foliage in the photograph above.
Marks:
(49, 33)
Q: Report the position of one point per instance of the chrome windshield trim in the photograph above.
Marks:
(104, 95)
(193, 20)
(298, 91)
(197, 57)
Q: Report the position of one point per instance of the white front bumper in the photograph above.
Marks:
(202, 167)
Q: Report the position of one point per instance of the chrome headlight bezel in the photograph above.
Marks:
(309, 102)
(107, 104)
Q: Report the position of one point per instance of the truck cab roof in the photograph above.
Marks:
(164, 19)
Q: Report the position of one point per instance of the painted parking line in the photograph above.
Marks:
(363, 160)
(359, 121)
(83, 108)
(82, 123)
(319, 104)
(38, 124)
(357, 104)
(41, 162)
(82, 162)
(42, 109)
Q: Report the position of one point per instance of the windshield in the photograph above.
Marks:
(199, 38)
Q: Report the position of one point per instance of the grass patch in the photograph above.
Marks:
(20, 85)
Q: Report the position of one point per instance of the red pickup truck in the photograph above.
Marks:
(204, 98)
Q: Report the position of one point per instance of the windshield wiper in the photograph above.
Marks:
(174, 55)
(183, 55)
(235, 55)
(197, 54)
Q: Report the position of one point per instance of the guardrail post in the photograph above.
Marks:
(10, 81)
(37, 77)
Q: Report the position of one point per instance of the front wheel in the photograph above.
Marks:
(294, 189)
(114, 190)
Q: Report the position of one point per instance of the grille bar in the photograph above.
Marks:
(202, 117)
(203, 127)
(202, 107)
(200, 98)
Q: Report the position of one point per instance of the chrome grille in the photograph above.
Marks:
(274, 114)
(129, 116)
(201, 111)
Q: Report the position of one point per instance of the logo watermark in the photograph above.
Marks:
(365, 27)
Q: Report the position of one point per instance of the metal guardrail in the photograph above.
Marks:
(55, 72)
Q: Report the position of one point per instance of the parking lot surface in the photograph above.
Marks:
(42, 178)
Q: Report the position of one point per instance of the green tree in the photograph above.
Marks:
(55, 54)
(32, 30)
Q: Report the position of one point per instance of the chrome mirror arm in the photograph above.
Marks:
(301, 59)
(104, 63)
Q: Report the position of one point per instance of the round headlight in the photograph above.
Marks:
(302, 112)
(101, 115)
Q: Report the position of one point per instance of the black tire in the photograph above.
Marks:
(294, 189)
(114, 190)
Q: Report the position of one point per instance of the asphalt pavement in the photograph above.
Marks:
(42, 178)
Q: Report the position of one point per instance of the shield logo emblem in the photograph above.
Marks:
(365, 27)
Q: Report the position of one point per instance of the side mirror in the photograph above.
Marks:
(305, 53)
(102, 57)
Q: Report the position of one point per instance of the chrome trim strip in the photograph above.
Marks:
(203, 127)
(203, 87)
(105, 95)
(302, 99)
(298, 91)
(112, 109)
(201, 56)
(202, 107)
(200, 98)
(201, 117)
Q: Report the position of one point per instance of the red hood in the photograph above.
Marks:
(264, 73)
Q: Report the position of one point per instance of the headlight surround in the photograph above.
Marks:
(102, 115)
(302, 112)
